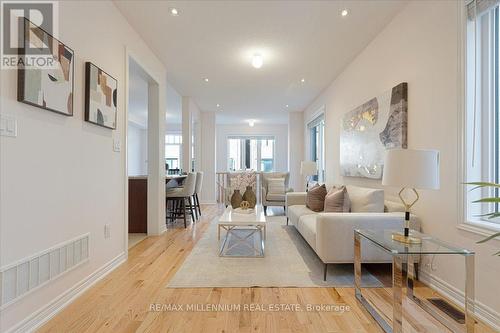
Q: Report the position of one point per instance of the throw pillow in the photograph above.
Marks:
(337, 200)
(276, 185)
(366, 200)
(315, 198)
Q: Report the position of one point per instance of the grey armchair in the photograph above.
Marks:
(274, 199)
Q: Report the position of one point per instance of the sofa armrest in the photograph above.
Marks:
(295, 198)
(335, 233)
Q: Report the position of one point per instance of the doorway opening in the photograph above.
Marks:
(145, 171)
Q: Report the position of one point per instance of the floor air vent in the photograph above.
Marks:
(449, 309)
(26, 275)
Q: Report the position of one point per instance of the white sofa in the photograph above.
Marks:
(331, 235)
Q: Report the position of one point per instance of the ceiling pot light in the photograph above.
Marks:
(205, 79)
(257, 60)
(174, 11)
(344, 12)
(286, 106)
(251, 123)
(302, 80)
(218, 105)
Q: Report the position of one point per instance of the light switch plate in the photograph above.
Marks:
(8, 126)
(117, 146)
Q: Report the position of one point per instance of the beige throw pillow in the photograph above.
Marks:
(337, 200)
(366, 200)
(276, 185)
(315, 198)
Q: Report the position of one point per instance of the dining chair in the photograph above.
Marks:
(197, 189)
(180, 197)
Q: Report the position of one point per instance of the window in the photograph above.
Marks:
(317, 145)
(481, 123)
(250, 153)
(173, 149)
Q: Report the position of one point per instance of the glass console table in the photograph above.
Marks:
(404, 257)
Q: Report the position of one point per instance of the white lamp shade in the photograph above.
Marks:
(308, 168)
(411, 168)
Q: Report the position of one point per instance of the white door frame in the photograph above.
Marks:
(156, 197)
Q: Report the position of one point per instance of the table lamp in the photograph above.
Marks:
(410, 169)
(308, 169)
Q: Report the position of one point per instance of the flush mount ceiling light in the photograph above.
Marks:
(174, 11)
(344, 12)
(251, 123)
(257, 60)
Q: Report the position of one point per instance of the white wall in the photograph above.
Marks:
(208, 153)
(420, 46)
(137, 150)
(296, 149)
(279, 131)
(64, 169)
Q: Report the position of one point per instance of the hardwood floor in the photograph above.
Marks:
(124, 300)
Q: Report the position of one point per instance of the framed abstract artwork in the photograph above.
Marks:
(46, 78)
(100, 97)
(372, 128)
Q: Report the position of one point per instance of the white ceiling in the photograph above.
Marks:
(216, 39)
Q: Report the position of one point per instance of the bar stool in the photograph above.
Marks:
(197, 189)
(178, 197)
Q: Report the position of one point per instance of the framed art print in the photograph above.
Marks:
(45, 79)
(100, 97)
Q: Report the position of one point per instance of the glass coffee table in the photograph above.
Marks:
(241, 228)
(404, 272)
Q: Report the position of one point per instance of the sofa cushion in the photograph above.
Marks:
(275, 197)
(276, 185)
(393, 206)
(307, 228)
(366, 200)
(295, 212)
(315, 199)
(337, 200)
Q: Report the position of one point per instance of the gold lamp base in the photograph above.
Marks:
(400, 237)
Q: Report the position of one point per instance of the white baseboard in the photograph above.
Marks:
(482, 311)
(37, 319)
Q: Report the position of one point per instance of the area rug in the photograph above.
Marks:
(289, 262)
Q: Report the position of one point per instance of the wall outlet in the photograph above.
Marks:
(117, 145)
(8, 126)
(107, 231)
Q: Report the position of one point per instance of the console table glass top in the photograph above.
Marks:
(429, 245)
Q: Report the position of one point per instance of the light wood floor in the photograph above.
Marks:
(121, 301)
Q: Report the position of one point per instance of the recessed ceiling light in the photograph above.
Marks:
(174, 11)
(257, 60)
(251, 123)
(205, 79)
(218, 105)
(344, 12)
(302, 80)
(286, 105)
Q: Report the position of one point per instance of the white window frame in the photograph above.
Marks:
(468, 219)
(312, 122)
(176, 134)
(243, 149)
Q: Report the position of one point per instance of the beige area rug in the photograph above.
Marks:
(288, 262)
